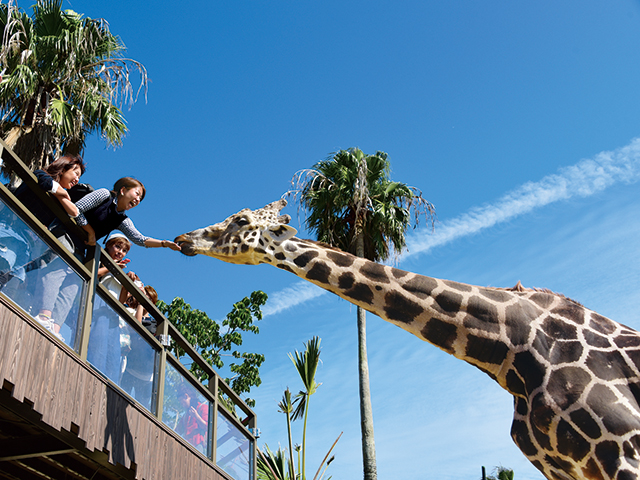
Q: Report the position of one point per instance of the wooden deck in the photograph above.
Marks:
(60, 419)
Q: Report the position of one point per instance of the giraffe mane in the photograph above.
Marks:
(518, 287)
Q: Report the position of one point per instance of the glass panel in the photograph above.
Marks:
(138, 364)
(38, 280)
(121, 354)
(233, 449)
(186, 410)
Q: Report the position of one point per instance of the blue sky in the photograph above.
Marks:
(502, 113)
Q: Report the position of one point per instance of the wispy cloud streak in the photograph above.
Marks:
(583, 179)
(290, 297)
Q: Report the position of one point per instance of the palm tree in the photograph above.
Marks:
(63, 78)
(274, 465)
(306, 364)
(286, 406)
(351, 204)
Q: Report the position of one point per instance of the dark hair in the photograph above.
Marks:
(129, 182)
(64, 163)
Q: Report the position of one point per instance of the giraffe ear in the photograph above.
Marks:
(280, 233)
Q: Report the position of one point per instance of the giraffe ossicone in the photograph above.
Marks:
(574, 374)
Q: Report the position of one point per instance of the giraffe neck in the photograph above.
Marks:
(476, 324)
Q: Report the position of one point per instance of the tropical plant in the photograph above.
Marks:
(274, 465)
(214, 340)
(502, 474)
(350, 203)
(286, 406)
(63, 78)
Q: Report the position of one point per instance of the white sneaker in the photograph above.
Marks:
(48, 324)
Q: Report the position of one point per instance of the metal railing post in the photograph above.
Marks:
(163, 330)
(92, 263)
(213, 388)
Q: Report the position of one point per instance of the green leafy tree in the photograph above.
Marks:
(63, 78)
(214, 340)
(274, 465)
(351, 204)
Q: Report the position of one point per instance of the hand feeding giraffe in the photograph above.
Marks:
(574, 374)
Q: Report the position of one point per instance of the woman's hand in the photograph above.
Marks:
(91, 234)
(172, 245)
(64, 199)
(155, 243)
(91, 239)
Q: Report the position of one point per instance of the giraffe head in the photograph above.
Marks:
(241, 238)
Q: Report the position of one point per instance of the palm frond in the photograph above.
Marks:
(64, 74)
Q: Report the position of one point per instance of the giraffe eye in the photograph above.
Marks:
(242, 222)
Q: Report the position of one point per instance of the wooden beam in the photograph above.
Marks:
(32, 446)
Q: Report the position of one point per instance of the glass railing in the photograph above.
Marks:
(122, 354)
(234, 448)
(38, 279)
(186, 410)
(37, 274)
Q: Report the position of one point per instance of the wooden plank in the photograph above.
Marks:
(24, 380)
(55, 377)
(92, 414)
(40, 368)
(8, 327)
(15, 353)
(76, 396)
(84, 399)
(68, 395)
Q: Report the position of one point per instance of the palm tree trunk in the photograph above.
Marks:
(292, 472)
(366, 412)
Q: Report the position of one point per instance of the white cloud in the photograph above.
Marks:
(290, 297)
(583, 179)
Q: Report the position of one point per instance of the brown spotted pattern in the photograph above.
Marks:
(574, 374)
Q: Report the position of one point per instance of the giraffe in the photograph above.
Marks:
(574, 374)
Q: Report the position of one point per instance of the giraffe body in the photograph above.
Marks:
(574, 374)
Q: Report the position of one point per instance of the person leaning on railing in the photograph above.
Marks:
(100, 212)
(56, 178)
(103, 211)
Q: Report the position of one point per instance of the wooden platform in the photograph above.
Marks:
(59, 419)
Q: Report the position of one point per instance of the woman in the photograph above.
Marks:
(103, 211)
(61, 175)
(56, 178)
